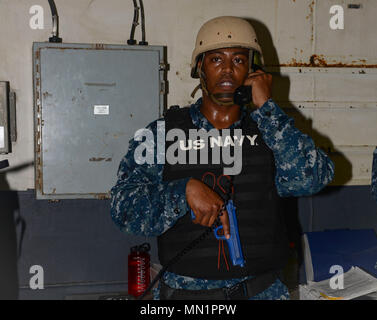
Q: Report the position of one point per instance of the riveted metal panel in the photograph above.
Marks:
(337, 107)
(355, 44)
(304, 36)
(326, 79)
(89, 101)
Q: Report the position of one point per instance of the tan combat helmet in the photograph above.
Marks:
(223, 32)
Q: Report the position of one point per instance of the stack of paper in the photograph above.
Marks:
(356, 283)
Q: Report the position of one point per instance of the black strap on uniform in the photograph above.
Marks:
(190, 246)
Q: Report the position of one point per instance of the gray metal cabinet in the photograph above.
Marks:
(89, 99)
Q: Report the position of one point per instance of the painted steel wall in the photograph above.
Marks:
(326, 78)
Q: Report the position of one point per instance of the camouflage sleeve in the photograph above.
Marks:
(141, 202)
(374, 175)
(301, 168)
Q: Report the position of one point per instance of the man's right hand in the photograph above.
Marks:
(206, 205)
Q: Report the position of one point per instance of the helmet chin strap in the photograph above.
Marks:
(214, 97)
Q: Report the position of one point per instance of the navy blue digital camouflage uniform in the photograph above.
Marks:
(143, 204)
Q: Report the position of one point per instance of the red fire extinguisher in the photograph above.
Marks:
(138, 269)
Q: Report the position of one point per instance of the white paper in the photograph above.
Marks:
(102, 109)
(2, 141)
(356, 283)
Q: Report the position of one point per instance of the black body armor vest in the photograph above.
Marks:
(260, 222)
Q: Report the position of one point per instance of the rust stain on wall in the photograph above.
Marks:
(96, 159)
(102, 196)
(311, 18)
(100, 159)
(46, 94)
(319, 61)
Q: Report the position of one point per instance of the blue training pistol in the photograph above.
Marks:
(234, 244)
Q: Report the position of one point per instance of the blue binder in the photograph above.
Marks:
(346, 248)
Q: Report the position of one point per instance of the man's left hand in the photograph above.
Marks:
(261, 84)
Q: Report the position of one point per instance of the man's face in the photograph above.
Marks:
(225, 69)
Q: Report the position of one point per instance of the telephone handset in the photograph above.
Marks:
(243, 94)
